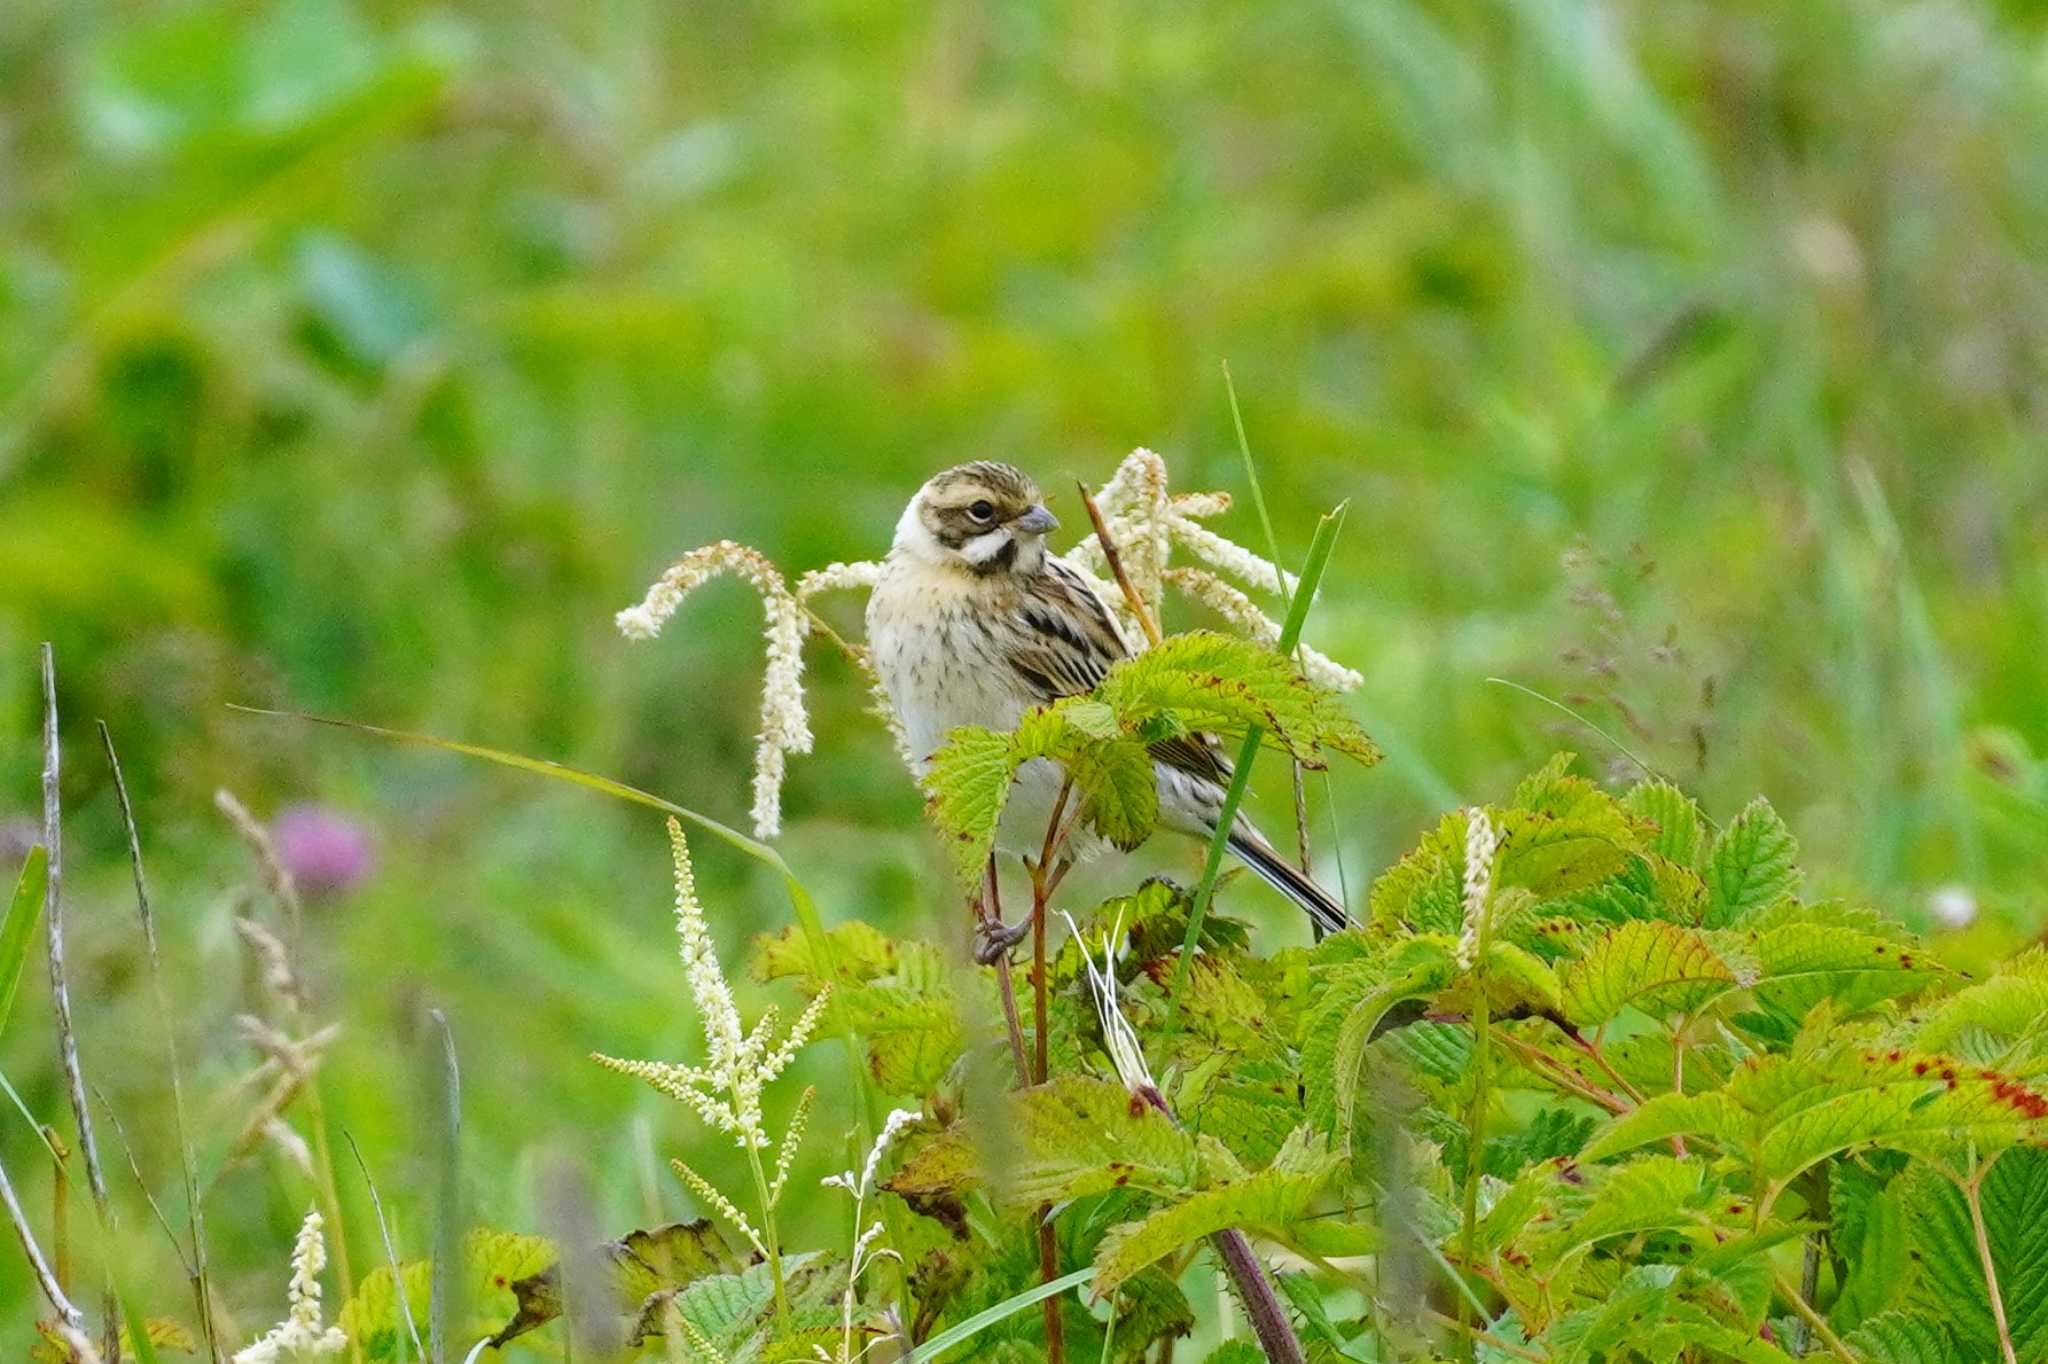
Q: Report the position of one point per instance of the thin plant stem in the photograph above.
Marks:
(1475, 1140)
(1006, 989)
(768, 1235)
(1973, 1195)
(1813, 1319)
(1115, 559)
(60, 989)
(195, 1215)
(390, 1251)
(447, 1195)
(45, 1276)
(1044, 878)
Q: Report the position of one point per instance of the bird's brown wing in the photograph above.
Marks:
(1064, 641)
(1066, 646)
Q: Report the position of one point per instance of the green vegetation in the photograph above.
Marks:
(1678, 362)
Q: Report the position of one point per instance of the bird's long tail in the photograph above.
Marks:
(1277, 872)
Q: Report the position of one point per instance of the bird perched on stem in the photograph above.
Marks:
(975, 622)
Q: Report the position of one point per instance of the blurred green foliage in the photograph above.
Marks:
(1681, 360)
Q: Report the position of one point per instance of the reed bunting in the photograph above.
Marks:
(974, 622)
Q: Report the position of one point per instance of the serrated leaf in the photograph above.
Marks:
(1874, 1247)
(1752, 865)
(1899, 1337)
(1800, 964)
(1783, 1113)
(1081, 1136)
(1672, 814)
(1269, 1200)
(1649, 964)
(2014, 1200)
(858, 949)
(967, 785)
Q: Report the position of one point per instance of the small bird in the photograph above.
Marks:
(975, 622)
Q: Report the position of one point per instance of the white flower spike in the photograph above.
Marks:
(301, 1335)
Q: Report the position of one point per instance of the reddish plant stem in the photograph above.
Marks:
(1247, 1275)
(992, 918)
(1115, 561)
(1045, 877)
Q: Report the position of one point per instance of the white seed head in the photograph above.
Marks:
(1481, 842)
(301, 1334)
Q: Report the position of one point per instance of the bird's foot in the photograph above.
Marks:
(997, 938)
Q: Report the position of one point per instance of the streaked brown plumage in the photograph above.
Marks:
(974, 622)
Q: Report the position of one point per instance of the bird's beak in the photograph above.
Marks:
(1037, 521)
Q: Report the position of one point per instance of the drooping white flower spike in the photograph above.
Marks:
(785, 728)
(301, 1335)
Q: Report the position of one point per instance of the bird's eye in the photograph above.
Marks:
(983, 510)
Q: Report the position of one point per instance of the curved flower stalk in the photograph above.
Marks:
(739, 1065)
(301, 1335)
(785, 728)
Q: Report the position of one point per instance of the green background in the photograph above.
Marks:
(1680, 361)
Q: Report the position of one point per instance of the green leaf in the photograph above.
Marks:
(1268, 1201)
(1672, 814)
(1655, 966)
(1752, 865)
(2014, 1199)
(1783, 1113)
(1080, 1136)
(967, 786)
(1219, 684)
(1873, 1243)
(1899, 1337)
(22, 913)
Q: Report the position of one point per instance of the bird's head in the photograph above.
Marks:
(984, 517)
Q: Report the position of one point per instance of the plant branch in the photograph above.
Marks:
(992, 918)
(1115, 559)
(1044, 877)
(1813, 1319)
(46, 1278)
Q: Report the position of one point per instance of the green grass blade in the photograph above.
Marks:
(561, 772)
(20, 925)
(981, 1321)
(1212, 866)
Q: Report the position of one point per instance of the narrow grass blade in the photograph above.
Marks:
(560, 771)
(1290, 633)
(981, 1321)
(20, 925)
(445, 1304)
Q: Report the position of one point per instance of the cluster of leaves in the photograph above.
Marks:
(1659, 1107)
(1721, 1121)
(1187, 686)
